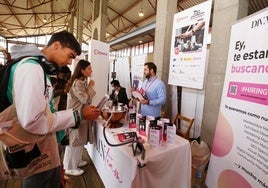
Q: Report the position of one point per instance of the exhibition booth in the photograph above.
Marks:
(167, 164)
(239, 152)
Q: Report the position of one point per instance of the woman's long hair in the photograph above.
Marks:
(81, 65)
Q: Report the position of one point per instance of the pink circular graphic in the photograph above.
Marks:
(231, 179)
(223, 138)
(177, 51)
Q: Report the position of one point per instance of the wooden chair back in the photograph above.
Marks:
(187, 121)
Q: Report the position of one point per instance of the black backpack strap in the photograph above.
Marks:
(4, 77)
(5, 74)
(40, 59)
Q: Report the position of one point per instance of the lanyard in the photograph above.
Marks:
(150, 83)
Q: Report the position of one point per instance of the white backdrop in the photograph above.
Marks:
(122, 73)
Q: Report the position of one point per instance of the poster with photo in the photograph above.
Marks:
(239, 156)
(188, 46)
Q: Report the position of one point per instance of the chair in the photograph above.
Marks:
(188, 122)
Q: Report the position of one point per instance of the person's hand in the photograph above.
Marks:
(187, 34)
(91, 83)
(144, 101)
(90, 112)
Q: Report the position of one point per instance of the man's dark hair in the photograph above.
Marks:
(66, 39)
(151, 65)
(115, 83)
(64, 69)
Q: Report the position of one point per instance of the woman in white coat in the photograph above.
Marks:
(80, 93)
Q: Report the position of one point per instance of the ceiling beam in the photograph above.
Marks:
(126, 30)
(121, 16)
(24, 8)
(34, 13)
(125, 11)
(16, 17)
(135, 33)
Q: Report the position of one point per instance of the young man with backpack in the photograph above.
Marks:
(30, 91)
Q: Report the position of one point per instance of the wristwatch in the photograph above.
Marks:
(77, 118)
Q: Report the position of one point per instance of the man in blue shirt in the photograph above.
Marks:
(154, 90)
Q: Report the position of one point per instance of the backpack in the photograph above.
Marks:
(22, 153)
(4, 77)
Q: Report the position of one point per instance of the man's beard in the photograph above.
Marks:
(148, 76)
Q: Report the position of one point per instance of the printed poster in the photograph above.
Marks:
(188, 46)
(240, 148)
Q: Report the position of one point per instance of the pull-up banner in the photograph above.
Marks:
(98, 55)
(240, 148)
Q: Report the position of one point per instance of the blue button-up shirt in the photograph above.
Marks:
(155, 90)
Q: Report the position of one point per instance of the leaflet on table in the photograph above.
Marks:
(126, 137)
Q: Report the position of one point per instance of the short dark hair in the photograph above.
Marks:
(151, 65)
(115, 83)
(66, 39)
(64, 69)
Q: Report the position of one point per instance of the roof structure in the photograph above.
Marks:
(43, 17)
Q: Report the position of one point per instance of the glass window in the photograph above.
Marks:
(146, 48)
(137, 50)
(151, 47)
(128, 52)
(141, 49)
(133, 51)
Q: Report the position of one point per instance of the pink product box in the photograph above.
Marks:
(142, 126)
(165, 127)
(171, 133)
(155, 135)
(132, 120)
